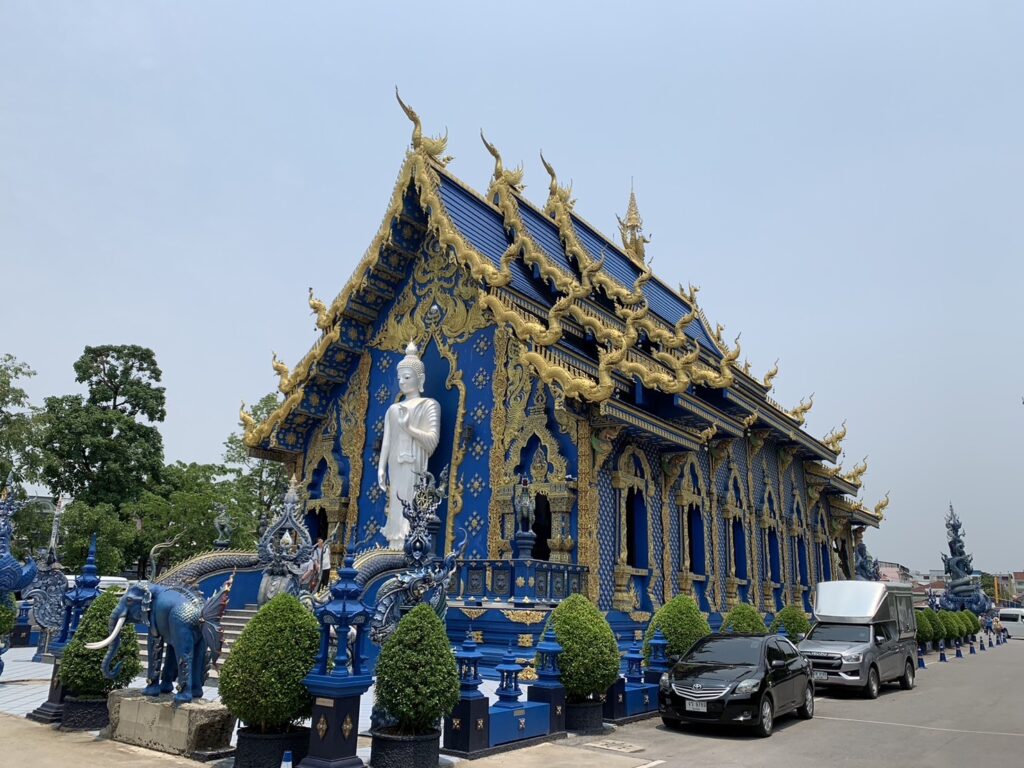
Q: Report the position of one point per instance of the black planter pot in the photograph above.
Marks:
(84, 714)
(584, 717)
(265, 750)
(389, 750)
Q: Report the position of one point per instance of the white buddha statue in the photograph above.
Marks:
(412, 428)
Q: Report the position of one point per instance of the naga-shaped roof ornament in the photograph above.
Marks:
(769, 377)
(881, 506)
(514, 178)
(562, 194)
(854, 475)
(834, 439)
(799, 414)
(432, 147)
(323, 319)
(246, 419)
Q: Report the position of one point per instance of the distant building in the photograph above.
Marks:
(893, 571)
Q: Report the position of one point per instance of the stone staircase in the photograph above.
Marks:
(233, 623)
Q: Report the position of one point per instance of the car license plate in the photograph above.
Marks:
(696, 706)
(820, 675)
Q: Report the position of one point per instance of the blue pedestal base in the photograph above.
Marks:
(523, 721)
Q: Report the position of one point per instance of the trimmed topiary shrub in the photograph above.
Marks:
(417, 679)
(8, 613)
(975, 623)
(925, 632)
(950, 629)
(261, 682)
(81, 671)
(964, 622)
(933, 620)
(793, 618)
(745, 619)
(682, 624)
(590, 656)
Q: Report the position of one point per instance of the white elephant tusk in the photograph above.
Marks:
(109, 640)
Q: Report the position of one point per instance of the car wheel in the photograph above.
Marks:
(806, 710)
(671, 722)
(766, 722)
(907, 681)
(874, 685)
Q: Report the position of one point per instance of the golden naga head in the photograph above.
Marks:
(881, 506)
(834, 439)
(770, 376)
(800, 412)
(246, 419)
(433, 148)
(514, 178)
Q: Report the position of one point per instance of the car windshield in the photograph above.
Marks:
(727, 650)
(843, 633)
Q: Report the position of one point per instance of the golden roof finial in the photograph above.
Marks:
(800, 412)
(434, 148)
(834, 439)
(563, 194)
(248, 422)
(513, 178)
(631, 230)
(881, 506)
(320, 310)
(283, 374)
(770, 376)
(854, 475)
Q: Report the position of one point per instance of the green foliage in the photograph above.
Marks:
(682, 624)
(8, 613)
(259, 484)
(975, 623)
(966, 627)
(80, 670)
(261, 682)
(417, 679)
(590, 656)
(745, 619)
(936, 624)
(925, 632)
(96, 447)
(793, 618)
(19, 438)
(113, 537)
(32, 524)
(950, 628)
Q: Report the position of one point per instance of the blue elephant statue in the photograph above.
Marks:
(185, 635)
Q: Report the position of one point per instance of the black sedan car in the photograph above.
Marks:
(741, 679)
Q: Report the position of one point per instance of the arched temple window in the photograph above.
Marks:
(541, 527)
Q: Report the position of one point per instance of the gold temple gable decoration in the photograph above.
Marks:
(524, 617)
(354, 407)
(321, 453)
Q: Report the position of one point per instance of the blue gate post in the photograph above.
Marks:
(335, 733)
(512, 719)
(467, 728)
(658, 663)
(548, 688)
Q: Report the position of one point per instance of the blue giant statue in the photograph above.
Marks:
(963, 589)
(185, 635)
(14, 576)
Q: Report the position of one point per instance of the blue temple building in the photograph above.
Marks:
(657, 464)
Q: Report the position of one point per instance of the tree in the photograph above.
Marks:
(32, 526)
(19, 432)
(113, 537)
(182, 502)
(259, 484)
(96, 448)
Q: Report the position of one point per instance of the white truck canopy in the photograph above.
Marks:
(855, 602)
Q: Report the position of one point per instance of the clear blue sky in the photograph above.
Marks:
(843, 180)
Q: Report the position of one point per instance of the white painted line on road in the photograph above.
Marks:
(651, 764)
(922, 727)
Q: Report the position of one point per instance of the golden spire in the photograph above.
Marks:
(631, 230)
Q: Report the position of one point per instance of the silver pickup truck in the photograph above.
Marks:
(864, 635)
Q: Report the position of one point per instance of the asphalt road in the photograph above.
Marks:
(964, 712)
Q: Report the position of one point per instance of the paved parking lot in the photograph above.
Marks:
(966, 712)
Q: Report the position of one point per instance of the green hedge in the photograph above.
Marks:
(950, 626)
(81, 669)
(261, 682)
(8, 613)
(590, 656)
(936, 624)
(417, 678)
(975, 623)
(682, 624)
(793, 618)
(745, 619)
(925, 631)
